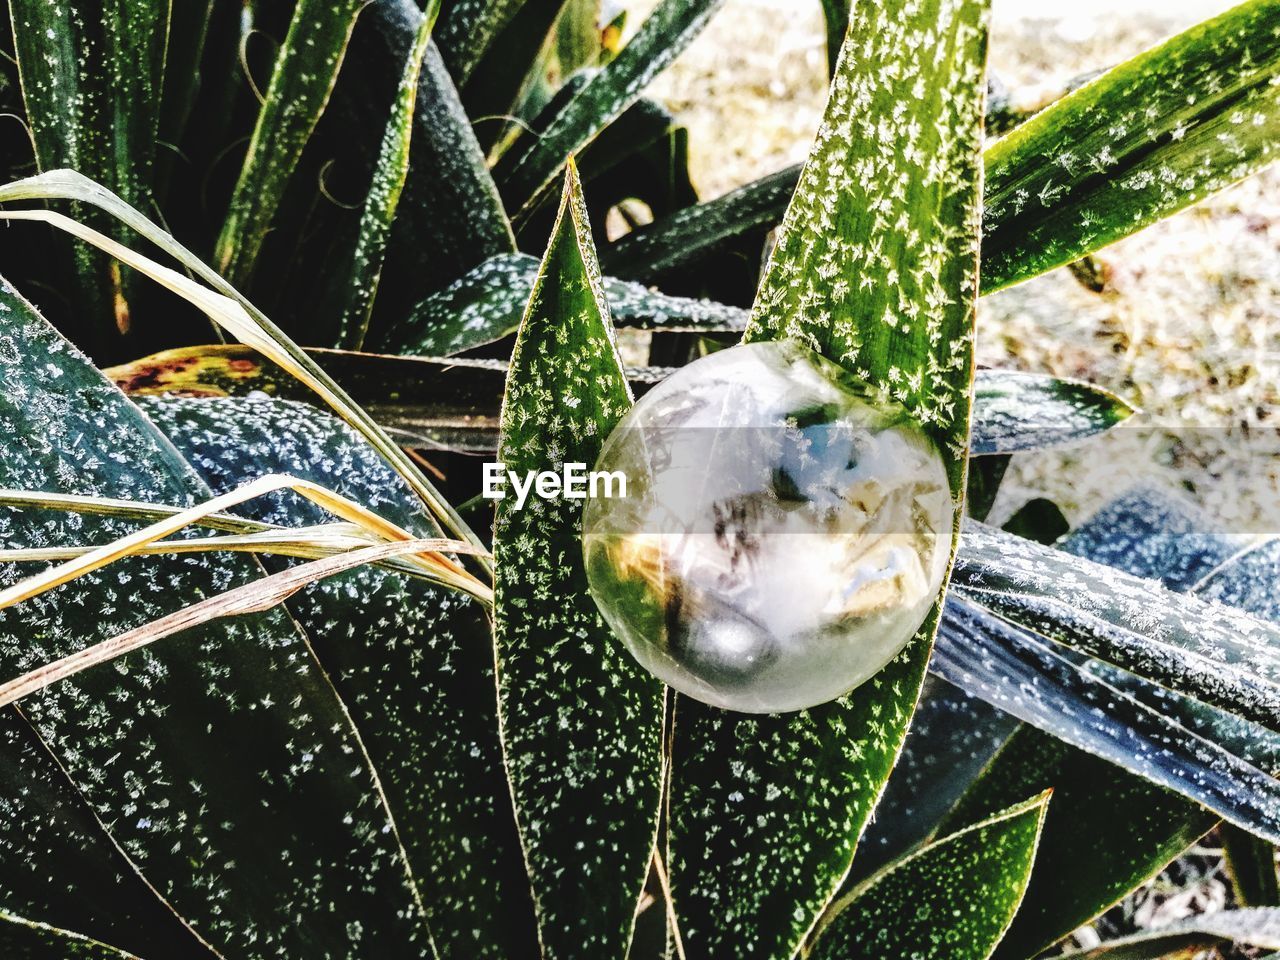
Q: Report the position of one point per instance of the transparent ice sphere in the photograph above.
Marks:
(783, 533)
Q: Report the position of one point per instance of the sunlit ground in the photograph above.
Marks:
(1188, 327)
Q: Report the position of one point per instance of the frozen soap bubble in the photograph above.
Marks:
(783, 534)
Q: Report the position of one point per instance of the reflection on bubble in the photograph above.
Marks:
(783, 535)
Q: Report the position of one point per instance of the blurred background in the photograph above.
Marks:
(1182, 320)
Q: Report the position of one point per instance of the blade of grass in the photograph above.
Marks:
(252, 597)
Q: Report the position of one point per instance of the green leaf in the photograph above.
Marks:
(92, 75)
(225, 767)
(1256, 927)
(380, 205)
(493, 90)
(1014, 412)
(531, 165)
(581, 721)
(1211, 652)
(1251, 862)
(60, 867)
(1134, 145)
(767, 811)
(303, 77)
(22, 939)
(413, 664)
(467, 29)
(951, 901)
(1147, 138)
(486, 305)
(450, 218)
(1110, 831)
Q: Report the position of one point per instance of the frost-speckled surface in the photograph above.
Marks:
(488, 302)
(223, 763)
(876, 268)
(59, 866)
(951, 901)
(581, 721)
(413, 664)
(1156, 134)
(1214, 652)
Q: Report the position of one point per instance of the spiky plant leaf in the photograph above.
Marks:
(197, 751)
(531, 165)
(383, 199)
(1013, 412)
(450, 217)
(92, 75)
(22, 939)
(1109, 831)
(951, 901)
(412, 663)
(1145, 139)
(303, 77)
(745, 790)
(1213, 652)
(487, 304)
(581, 721)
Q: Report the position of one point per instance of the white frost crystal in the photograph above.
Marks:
(783, 535)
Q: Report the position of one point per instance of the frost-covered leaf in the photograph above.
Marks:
(221, 761)
(383, 199)
(1110, 830)
(22, 939)
(59, 865)
(1254, 927)
(468, 27)
(487, 304)
(1213, 652)
(951, 901)
(302, 79)
(531, 164)
(92, 75)
(581, 721)
(1134, 145)
(952, 737)
(1147, 138)
(413, 664)
(450, 217)
(1013, 412)
(766, 811)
